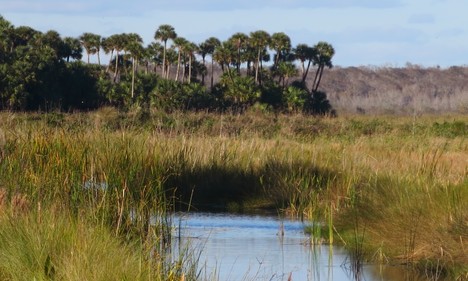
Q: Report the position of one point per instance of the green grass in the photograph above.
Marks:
(396, 186)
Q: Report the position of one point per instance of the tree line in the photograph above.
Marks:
(44, 71)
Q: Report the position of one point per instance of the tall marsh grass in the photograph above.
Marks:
(56, 247)
(395, 188)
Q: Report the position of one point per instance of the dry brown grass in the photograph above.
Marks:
(17, 204)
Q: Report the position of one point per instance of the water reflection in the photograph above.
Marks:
(234, 247)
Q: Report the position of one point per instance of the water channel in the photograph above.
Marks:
(257, 247)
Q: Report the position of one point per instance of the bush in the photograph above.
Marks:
(318, 104)
(294, 98)
(450, 129)
(238, 92)
(172, 95)
(272, 95)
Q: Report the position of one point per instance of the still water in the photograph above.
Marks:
(253, 247)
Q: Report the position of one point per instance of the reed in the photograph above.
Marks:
(100, 181)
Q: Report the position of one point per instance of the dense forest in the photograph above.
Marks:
(44, 71)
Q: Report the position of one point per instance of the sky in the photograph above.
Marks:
(363, 32)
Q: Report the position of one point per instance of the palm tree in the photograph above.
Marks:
(154, 53)
(164, 33)
(191, 49)
(6, 34)
(146, 59)
(281, 43)
(224, 55)
(304, 53)
(203, 50)
(22, 36)
(249, 56)
(107, 45)
(212, 44)
(96, 47)
(179, 43)
(285, 71)
(61, 48)
(91, 43)
(119, 45)
(114, 44)
(239, 40)
(135, 48)
(171, 58)
(73, 48)
(259, 40)
(323, 55)
(207, 48)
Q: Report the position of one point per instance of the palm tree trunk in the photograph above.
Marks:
(133, 77)
(164, 59)
(238, 60)
(277, 58)
(178, 68)
(303, 70)
(167, 70)
(212, 78)
(260, 74)
(203, 73)
(317, 73)
(257, 65)
(229, 73)
(319, 78)
(98, 58)
(184, 71)
(190, 69)
(116, 64)
(110, 61)
(307, 72)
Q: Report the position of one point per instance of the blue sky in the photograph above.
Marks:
(363, 32)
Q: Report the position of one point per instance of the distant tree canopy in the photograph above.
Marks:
(44, 71)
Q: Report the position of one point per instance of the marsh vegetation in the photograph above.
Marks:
(390, 189)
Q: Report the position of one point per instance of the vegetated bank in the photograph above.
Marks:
(391, 189)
